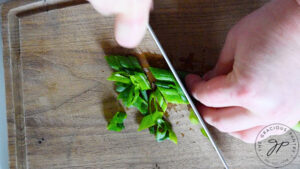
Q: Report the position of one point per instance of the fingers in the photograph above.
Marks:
(230, 119)
(132, 18)
(226, 59)
(221, 91)
(249, 135)
(109, 7)
(252, 135)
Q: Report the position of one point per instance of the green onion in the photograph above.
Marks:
(193, 118)
(203, 132)
(162, 74)
(149, 120)
(116, 123)
(140, 80)
(172, 136)
(120, 87)
(119, 77)
(141, 105)
(297, 127)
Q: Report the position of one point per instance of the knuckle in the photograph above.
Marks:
(246, 90)
(217, 122)
(232, 33)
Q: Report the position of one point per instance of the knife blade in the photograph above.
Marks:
(188, 97)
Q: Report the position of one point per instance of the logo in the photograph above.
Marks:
(277, 145)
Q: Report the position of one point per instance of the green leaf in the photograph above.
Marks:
(162, 74)
(123, 62)
(162, 130)
(140, 80)
(161, 101)
(172, 136)
(165, 84)
(135, 63)
(130, 72)
(171, 95)
(156, 99)
(124, 95)
(297, 127)
(120, 87)
(203, 132)
(152, 129)
(141, 105)
(113, 62)
(119, 77)
(161, 134)
(150, 120)
(157, 115)
(193, 118)
(144, 94)
(180, 92)
(117, 122)
(134, 93)
(146, 122)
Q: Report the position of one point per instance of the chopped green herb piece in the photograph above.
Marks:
(161, 134)
(140, 80)
(116, 123)
(152, 130)
(203, 132)
(119, 77)
(172, 136)
(157, 100)
(161, 131)
(157, 115)
(123, 63)
(180, 92)
(141, 105)
(113, 62)
(171, 95)
(162, 74)
(133, 95)
(144, 94)
(150, 120)
(135, 63)
(124, 95)
(120, 87)
(165, 84)
(193, 118)
(160, 100)
(297, 127)
(146, 122)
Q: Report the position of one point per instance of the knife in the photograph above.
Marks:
(211, 139)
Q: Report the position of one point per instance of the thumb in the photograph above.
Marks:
(221, 91)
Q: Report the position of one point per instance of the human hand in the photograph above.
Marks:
(257, 77)
(131, 21)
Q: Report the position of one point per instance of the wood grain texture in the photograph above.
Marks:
(58, 100)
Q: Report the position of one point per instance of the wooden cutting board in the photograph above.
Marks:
(58, 99)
